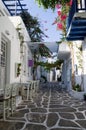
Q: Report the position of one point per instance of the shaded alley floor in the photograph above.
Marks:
(49, 109)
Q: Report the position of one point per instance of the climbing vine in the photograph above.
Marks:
(79, 56)
(21, 37)
(48, 66)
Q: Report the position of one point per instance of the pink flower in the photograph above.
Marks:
(69, 3)
(59, 26)
(59, 13)
(58, 6)
(63, 17)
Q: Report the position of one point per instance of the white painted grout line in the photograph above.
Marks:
(47, 110)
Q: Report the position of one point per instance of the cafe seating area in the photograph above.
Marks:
(9, 94)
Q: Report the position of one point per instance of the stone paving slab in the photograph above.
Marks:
(67, 115)
(36, 117)
(49, 109)
(65, 129)
(67, 123)
(40, 110)
(52, 119)
(79, 115)
(20, 113)
(82, 123)
(5, 125)
(35, 127)
(67, 109)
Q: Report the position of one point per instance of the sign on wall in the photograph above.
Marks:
(30, 63)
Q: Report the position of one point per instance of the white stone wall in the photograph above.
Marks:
(30, 73)
(26, 70)
(77, 62)
(38, 72)
(48, 76)
(13, 56)
(66, 73)
(3, 10)
(9, 32)
(84, 64)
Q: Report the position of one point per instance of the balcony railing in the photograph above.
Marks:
(15, 7)
(76, 23)
(76, 7)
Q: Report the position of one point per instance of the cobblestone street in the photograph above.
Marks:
(49, 109)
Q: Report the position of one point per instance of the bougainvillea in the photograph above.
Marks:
(62, 13)
(60, 26)
(62, 7)
(52, 3)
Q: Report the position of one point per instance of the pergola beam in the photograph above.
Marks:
(18, 6)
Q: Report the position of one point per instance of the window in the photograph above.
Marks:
(3, 52)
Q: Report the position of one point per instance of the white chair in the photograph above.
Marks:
(13, 97)
(29, 89)
(37, 85)
(33, 87)
(26, 88)
(5, 101)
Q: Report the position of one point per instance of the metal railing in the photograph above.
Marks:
(15, 7)
(77, 6)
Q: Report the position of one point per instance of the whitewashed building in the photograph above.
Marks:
(74, 62)
(25, 52)
(14, 56)
(76, 32)
(64, 54)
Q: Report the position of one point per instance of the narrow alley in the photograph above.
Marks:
(43, 65)
(49, 109)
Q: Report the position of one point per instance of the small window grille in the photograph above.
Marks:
(3, 52)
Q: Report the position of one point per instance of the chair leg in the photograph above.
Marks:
(27, 93)
(8, 111)
(4, 113)
(13, 105)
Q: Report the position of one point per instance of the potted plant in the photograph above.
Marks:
(77, 87)
(18, 69)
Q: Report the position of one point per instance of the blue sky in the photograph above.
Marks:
(46, 17)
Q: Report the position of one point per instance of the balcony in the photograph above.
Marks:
(63, 51)
(15, 7)
(76, 24)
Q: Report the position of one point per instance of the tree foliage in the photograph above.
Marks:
(51, 3)
(36, 34)
(49, 66)
(33, 27)
(44, 51)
